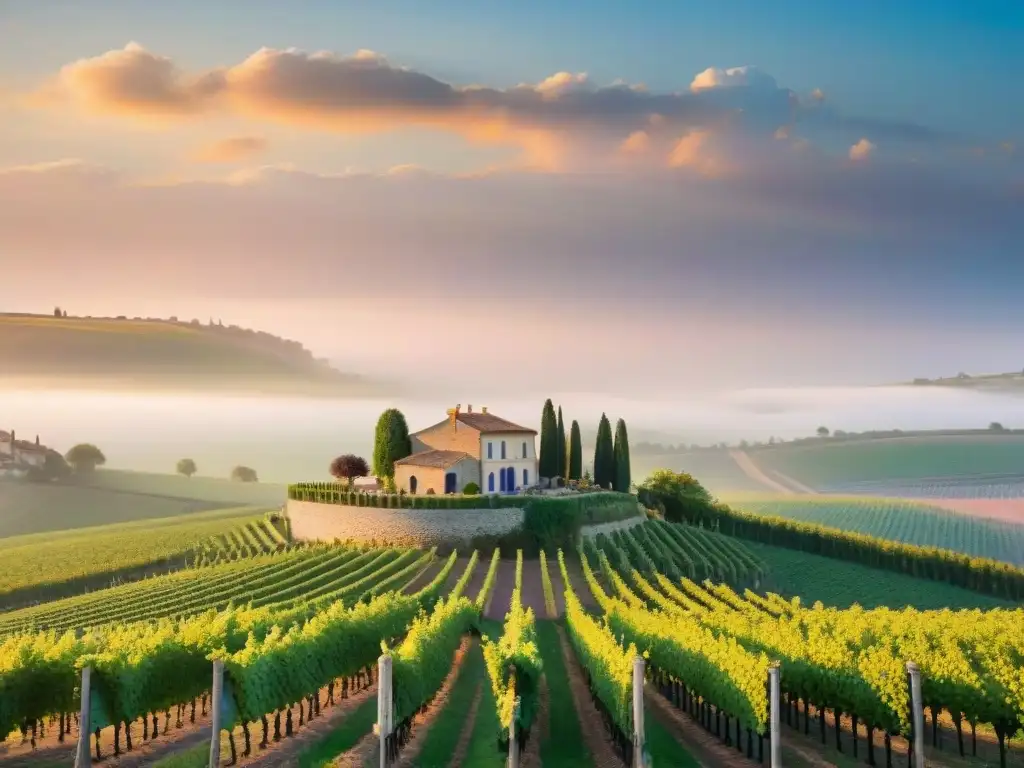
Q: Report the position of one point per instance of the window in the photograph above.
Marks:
(490, 479)
(503, 449)
(526, 476)
(524, 450)
(490, 450)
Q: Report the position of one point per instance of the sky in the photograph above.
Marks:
(711, 194)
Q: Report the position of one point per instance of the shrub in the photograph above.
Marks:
(471, 489)
(430, 492)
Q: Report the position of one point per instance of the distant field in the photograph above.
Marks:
(45, 566)
(35, 507)
(940, 465)
(841, 584)
(716, 470)
(209, 489)
(896, 520)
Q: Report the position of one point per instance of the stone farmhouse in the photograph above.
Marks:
(17, 456)
(470, 447)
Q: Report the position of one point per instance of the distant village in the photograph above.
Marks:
(19, 457)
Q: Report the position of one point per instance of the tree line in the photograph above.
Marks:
(563, 457)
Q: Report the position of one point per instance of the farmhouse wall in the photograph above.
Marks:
(446, 437)
(311, 521)
(466, 471)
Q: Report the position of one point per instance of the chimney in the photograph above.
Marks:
(483, 409)
(451, 416)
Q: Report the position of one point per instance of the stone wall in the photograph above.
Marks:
(311, 521)
(617, 525)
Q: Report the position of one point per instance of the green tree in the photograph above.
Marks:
(621, 452)
(243, 474)
(604, 455)
(391, 443)
(676, 492)
(548, 464)
(85, 457)
(575, 459)
(563, 468)
(187, 467)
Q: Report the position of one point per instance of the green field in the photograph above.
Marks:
(27, 508)
(824, 464)
(840, 584)
(715, 469)
(896, 520)
(55, 564)
(209, 489)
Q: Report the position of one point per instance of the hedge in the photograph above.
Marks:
(990, 577)
(549, 521)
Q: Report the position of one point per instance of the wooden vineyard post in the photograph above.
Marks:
(218, 694)
(384, 706)
(774, 686)
(917, 713)
(638, 711)
(83, 757)
(513, 741)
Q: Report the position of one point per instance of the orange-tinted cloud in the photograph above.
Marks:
(235, 149)
(862, 150)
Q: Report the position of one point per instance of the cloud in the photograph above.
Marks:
(862, 150)
(231, 150)
(560, 122)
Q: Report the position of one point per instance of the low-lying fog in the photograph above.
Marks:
(290, 439)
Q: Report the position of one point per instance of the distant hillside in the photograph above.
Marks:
(168, 355)
(991, 382)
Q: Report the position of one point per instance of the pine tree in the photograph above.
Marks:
(548, 463)
(575, 459)
(562, 449)
(621, 453)
(604, 455)
(391, 443)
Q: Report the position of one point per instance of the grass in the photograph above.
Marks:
(663, 747)
(210, 489)
(831, 464)
(896, 520)
(359, 723)
(27, 508)
(195, 757)
(564, 747)
(841, 584)
(441, 740)
(482, 751)
(51, 565)
(716, 470)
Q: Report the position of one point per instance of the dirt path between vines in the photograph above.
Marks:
(754, 472)
(501, 593)
(598, 744)
(530, 756)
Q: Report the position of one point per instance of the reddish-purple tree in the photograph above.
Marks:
(349, 467)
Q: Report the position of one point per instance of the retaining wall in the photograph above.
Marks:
(311, 521)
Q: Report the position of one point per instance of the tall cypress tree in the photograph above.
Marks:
(621, 452)
(562, 467)
(391, 443)
(575, 459)
(548, 463)
(604, 455)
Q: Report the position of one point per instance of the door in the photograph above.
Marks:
(490, 483)
(511, 471)
(526, 478)
(412, 484)
(450, 482)
(501, 480)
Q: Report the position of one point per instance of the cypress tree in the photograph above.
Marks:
(562, 449)
(604, 455)
(548, 463)
(391, 443)
(621, 452)
(575, 459)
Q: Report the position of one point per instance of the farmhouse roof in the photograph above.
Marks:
(440, 459)
(488, 422)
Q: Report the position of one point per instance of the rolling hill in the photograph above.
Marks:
(163, 355)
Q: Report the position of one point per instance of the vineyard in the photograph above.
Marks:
(831, 466)
(299, 634)
(895, 520)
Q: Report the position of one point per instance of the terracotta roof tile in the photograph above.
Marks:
(488, 422)
(440, 459)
